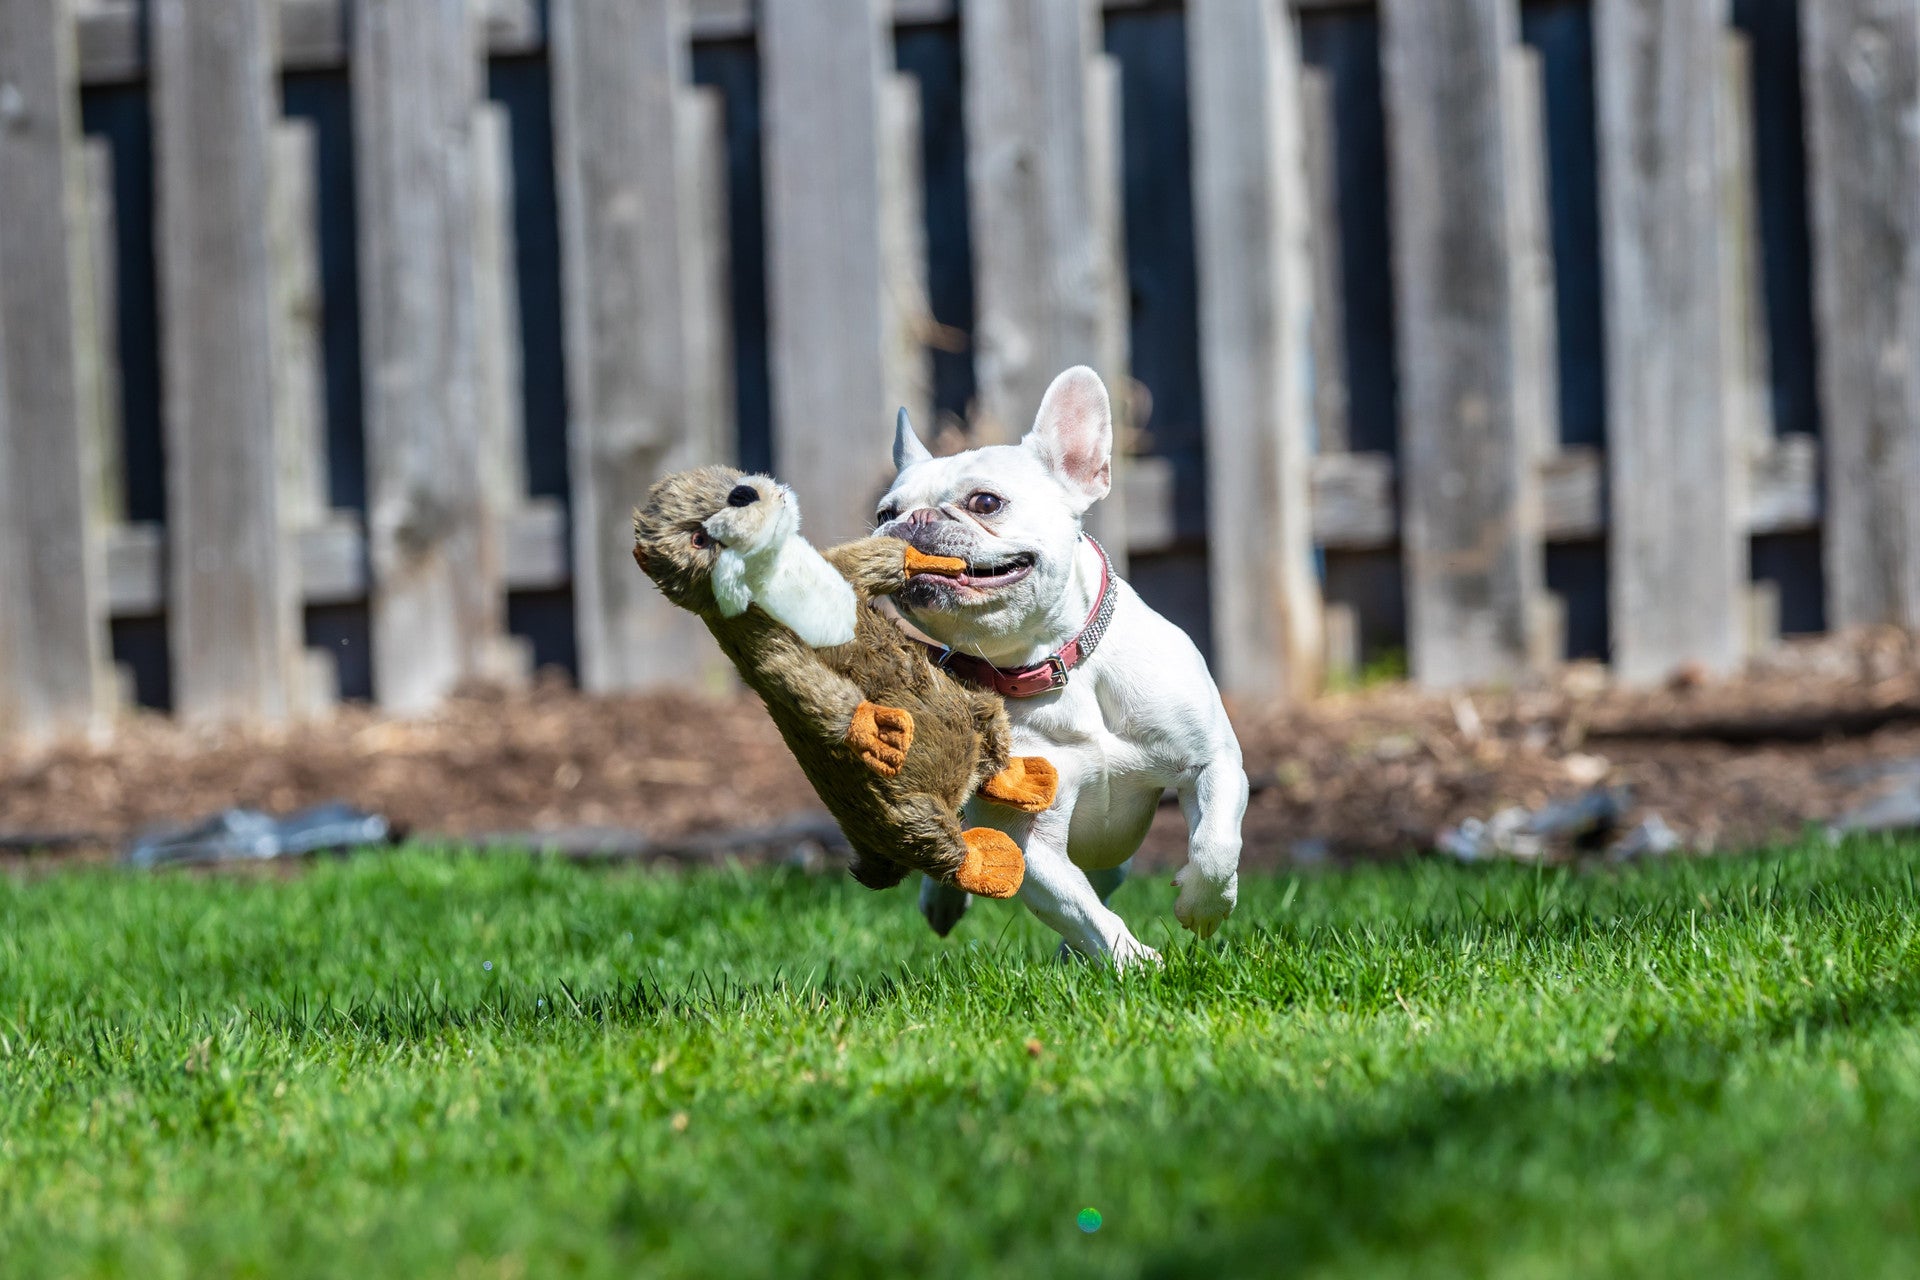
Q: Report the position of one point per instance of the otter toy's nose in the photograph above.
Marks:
(743, 495)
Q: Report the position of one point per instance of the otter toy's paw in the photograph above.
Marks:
(941, 566)
(1028, 783)
(881, 736)
(994, 867)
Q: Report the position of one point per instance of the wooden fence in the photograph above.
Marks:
(678, 219)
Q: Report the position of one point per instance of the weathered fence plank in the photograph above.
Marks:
(1679, 548)
(1332, 431)
(1255, 275)
(1536, 347)
(1108, 519)
(1749, 397)
(438, 597)
(908, 314)
(706, 271)
(101, 392)
(822, 67)
(497, 309)
(52, 625)
(1746, 398)
(1039, 270)
(1536, 335)
(1472, 537)
(619, 68)
(299, 404)
(231, 610)
(299, 409)
(1863, 100)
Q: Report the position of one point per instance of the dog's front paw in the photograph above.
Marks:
(880, 736)
(1131, 953)
(1123, 953)
(1204, 900)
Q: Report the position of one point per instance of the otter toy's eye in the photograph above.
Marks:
(985, 504)
(700, 540)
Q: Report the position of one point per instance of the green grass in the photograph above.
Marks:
(1697, 1069)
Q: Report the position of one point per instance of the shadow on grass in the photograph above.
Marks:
(1373, 1183)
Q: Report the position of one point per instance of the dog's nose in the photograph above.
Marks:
(925, 515)
(743, 495)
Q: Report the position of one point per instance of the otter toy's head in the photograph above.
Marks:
(699, 530)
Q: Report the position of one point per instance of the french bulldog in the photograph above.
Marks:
(1114, 694)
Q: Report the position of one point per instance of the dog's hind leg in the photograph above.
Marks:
(1105, 880)
(943, 904)
(957, 864)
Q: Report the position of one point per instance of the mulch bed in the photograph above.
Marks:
(1810, 732)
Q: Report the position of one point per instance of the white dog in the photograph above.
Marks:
(1112, 693)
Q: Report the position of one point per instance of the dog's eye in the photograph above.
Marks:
(984, 503)
(700, 540)
(887, 515)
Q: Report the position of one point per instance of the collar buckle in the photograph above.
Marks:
(1048, 676)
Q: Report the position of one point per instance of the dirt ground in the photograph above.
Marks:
(1809, 733)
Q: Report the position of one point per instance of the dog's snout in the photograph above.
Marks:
(743, 495)
(925, 515)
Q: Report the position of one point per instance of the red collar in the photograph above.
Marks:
(1050, 673)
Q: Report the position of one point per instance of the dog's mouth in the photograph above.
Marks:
(985, 574)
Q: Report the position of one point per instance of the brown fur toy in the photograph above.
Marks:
(893, 745)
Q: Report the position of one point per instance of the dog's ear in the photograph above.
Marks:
(907, 448)
(1073, 434)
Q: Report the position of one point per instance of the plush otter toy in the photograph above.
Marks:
(893, 745)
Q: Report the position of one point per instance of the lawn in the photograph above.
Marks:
(428, 1063)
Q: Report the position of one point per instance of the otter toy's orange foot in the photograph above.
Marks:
(942, 566)
(880, 736)
(994, 867)
(1028, 783)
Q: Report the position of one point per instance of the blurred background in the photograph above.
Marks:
(1461, 340)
